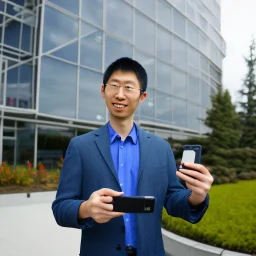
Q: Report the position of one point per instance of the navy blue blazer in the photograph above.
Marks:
(88, 167)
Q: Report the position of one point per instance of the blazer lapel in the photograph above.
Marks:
(144, 140)
(103, 143)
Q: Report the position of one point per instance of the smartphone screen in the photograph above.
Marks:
(188, 156)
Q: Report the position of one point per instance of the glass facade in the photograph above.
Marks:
(53, 54)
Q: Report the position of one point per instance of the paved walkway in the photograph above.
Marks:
(28, 228)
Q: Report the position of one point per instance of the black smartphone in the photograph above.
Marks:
(134, 204)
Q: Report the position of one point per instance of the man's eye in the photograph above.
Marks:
(129, 88)
(115, 85)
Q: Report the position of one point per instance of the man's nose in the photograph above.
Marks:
(120, 93)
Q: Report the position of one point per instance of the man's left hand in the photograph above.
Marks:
(198, 179)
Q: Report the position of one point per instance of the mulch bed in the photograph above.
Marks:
(10, 189)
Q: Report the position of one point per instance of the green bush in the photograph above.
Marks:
(230, 221)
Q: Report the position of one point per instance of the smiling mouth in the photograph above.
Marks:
(119, 105)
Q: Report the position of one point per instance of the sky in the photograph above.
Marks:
(238, 25)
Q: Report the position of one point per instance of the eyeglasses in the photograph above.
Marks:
(127, 88)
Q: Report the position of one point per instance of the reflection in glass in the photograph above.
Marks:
(193, 89)
(204, 43)
(164, 14)
(205, 94)
(91, 105)
(144, 38)
(179, 25)
(64, 30)
(148, 62)
(71, 6)
(179, 53)
(91, 50)
(26, 34)
(179, 83)
(163, 108)
(149, 8)
(12, 34)
(57, 88)
(116, 49)
(147, 108)
(25, 143)
(179, 112)
(52, 145)
(164, 44)
(69, 52)
(115, 17)
(164, 77)
(193, 57)
(193, 117)
(92, 11)
(192, 34)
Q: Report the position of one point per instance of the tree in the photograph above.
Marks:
(223, 121)
(248, 106)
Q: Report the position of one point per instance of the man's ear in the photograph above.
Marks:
(143, 96)
(102, 90)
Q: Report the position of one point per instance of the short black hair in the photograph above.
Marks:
(126, 64)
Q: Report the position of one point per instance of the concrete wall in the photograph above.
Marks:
(179, 246)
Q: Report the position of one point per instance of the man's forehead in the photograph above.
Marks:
(123, 76)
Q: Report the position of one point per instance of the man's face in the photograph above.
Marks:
(122, 94)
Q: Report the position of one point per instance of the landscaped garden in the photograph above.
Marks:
(230, 221)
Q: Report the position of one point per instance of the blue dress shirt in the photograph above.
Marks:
(125, 155)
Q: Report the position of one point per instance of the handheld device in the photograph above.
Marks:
(191, 154)
(134, 204)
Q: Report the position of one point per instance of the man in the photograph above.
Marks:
(120, 158)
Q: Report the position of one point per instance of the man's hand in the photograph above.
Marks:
(99, 206)
(198, 179)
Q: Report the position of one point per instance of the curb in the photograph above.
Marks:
(176, 245)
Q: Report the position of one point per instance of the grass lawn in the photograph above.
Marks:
(230, 221)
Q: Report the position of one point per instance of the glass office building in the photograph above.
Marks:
(54, 52)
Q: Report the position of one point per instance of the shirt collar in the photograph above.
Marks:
(113, 134)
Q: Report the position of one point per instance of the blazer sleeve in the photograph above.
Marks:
(68, 198)
(176, 202)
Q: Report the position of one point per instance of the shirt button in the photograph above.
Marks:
(127, 219)
(121, 184)
(121, 164)
(118, 247)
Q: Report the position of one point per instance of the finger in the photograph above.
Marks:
(111, 214)
(106, 199)
(195, 189)
(197, 167)
(194, 174)
(188, 179)
(109, 192)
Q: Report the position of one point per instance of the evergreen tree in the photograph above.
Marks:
(248, 106)
(223, 121)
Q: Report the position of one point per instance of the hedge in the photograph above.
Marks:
(230, 221)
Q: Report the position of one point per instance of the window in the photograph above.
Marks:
(91, 105)
(164, 77)
(179, 23)
(179, 83)
(164, 44)
(179, 112)
(163, 108)
(71, 6)
(116, 49)
(193, 117)
(57, 88)
(118, 23)
(192, 34)
(147, 108)
(144, 38)
(164, 14)
(59, 29)
(148, 8)
(92, 11)
(91, 47)
(179, 53)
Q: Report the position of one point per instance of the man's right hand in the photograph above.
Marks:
(99, 206)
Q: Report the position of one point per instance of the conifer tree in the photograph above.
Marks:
(248, 103)
(223, 121)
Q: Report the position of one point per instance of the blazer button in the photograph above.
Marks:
(118, 247)
(123, 228)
